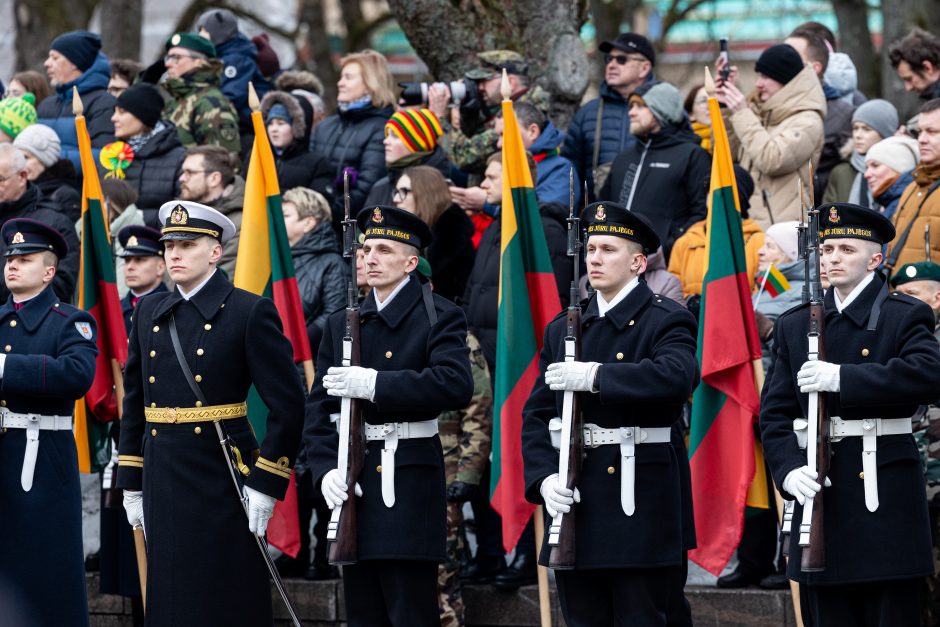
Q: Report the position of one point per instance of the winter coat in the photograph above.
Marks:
(773, 307)
(929, 215)
(33, 205)
(615, 132)
(451, 253)
(239, 56)
(843, 184)
(352, 139)
(321, 274)
(381, 193)
(688, 255)
(296, 165)
(155, 170)
(553, 182)
(669, 184)
(200, 111)
(774, 140)
(837, 130)
(130, 216)
(660, 280)
(888, 201)
(61, 184)
(55, 111)
(230, 204)
(480, 300)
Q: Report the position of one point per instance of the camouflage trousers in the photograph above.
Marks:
(448, 584)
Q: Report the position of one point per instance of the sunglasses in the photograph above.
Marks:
(622, 59)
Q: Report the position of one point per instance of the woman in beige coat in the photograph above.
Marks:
(776, 130)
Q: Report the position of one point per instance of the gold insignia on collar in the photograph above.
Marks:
(179, 215)
(834, 215)
(18, 238)
(132, 241)
(600, 215)
(377, 216)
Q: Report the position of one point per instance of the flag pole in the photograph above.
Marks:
(763, 284)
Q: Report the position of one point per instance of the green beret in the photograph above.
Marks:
(424, 267)
(920, 271)
(191, 41)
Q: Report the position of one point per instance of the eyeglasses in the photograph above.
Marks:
(176, 58)
(401, 193)
(622, 59)
(188, 173)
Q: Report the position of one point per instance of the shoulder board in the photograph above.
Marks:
(664, 302)
(63, 309)
(903, 298)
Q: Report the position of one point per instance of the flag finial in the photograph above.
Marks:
(77, 107)
(504, 87)
(709, 83)
(253, 101)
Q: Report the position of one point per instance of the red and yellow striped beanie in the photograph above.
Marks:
(418, 129)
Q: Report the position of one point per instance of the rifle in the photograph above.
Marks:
(341, 532)
(817, 436)
(561, 531)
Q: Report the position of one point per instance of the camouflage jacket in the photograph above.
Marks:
(470, 153)
(468, 433)
(927, 436)
(201, 113)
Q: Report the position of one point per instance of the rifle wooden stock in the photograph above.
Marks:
(561, 532)
(813, 557)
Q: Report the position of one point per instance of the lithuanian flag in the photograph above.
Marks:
(528, 300)
(97, 294)
(264, 266)
(773, 282)
(725, 404)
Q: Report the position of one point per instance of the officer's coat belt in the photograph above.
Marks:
(391, 433)
(33, 423)
(868, 429)
(628, 438)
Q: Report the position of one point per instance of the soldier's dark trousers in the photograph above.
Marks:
(638, 597)
(895, 603)
(391, 593)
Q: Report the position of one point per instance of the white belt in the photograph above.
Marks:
(33, 423)
(869, 429)
(391, 433)
(628, 438)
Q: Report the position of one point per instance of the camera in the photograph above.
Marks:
(464, 94)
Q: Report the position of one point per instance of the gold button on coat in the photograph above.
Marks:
(619, 356)
(378, 468)
(207, 327)
(631, 323)
(152, 379)
(12, 323)
(861, 475)
(3, 403)
(611, 470)
(153, 404)
(865, 352)
(198, 403)
(197, 430)
(156, 328)
(153, 432)
(8, 348)
(388, 354)
(198, 378)
(200, 352)
(153, 353)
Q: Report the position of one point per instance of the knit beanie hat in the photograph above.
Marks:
(16, 114)
(221, 25)
(278, 112)
(268, 63)
(786, 237)
(144, 102)
(417, 128)
(40, 141)
(781, 63)
(665, 101)
(880, 115)
(900, 153)
(78, 46)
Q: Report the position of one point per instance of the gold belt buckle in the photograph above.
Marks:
(174, 414)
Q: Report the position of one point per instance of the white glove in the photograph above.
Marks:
(260, 508)
(801, 483)
(576, 376)
(558, 498)
(134, 508)
(818, 376)
(334, 488)
(350, 382)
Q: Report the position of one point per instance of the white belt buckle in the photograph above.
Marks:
(628, 469)
(390, 433)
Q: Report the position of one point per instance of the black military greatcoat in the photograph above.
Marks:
(885, 373)
(50, 362)
(646, 345)
(204, 567)
(422, 371)
(127, 306)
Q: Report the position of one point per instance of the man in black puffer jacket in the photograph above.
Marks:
(288, 119)
(661, 176)
(21, 199)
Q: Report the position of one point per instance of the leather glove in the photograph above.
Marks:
(765, 326)
(558, 498)
(334, 488)
(801, 483)
(575, 376)
(350, 382)
(260, 508)
(134, 508)
(818, 376)
(460, 491)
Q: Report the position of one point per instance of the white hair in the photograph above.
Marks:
(14, 156)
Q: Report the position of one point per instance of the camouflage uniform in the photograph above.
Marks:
(201, 113)
(466, 437)
(470, 153)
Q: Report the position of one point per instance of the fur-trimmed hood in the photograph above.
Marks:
(300, 119)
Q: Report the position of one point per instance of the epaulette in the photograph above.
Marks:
(664, 302)
(63, 309)
(901, 297)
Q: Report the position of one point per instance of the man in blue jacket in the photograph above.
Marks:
(600, 129)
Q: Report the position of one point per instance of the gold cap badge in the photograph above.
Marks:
(179, 215)
(18, 238)
(377, 216)
(834, 215)
(600, 215)
(132, 241)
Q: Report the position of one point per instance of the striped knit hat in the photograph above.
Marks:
(417, 128)
(16, 114)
